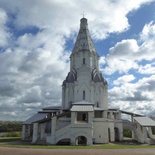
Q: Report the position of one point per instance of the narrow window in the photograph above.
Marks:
(70, 104)
(84, 95)
(84, 61)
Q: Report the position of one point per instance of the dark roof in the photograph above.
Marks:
(35, 118)
(97, 77)
(82, 103)
(52, 108)
(129, 113)
(82, 108)
(145, 121)
(71, 77)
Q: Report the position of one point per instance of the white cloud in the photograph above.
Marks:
(134, 97)
(104, 16)
(124, 79)
(147, 69)
(4, 33)
(127, 54)
(121, 57)
(102, 62)
(148, 31)
(36, 63)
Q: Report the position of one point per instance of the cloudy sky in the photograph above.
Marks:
(37, 37)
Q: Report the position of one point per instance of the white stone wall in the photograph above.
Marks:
(100, 130)
(23, 131)
(141, 133)
(111, 131)
(94, 92)
(35, 132)
(91, 60)
(81, 130)
(83, 85)
(64, 122)
(43, 135)
(119, 125)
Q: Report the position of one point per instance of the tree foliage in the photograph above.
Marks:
(10, 126)
(127, 133)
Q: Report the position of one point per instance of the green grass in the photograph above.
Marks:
(9, 139)
(102, 146)
(105, 146)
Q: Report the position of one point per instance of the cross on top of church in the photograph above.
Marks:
(83, 14)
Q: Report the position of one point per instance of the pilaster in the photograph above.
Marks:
(23, 132)
(66, 97)
(42, 130)
(35, 132)
(53, 130)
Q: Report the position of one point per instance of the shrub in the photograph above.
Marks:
(12, 134)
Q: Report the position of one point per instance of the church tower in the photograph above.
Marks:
(84, 82)
(84, 117)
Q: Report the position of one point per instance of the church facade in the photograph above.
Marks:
(84, 117)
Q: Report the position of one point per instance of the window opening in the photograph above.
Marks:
(84, 61)
(84, 95)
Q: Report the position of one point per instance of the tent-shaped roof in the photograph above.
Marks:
(84, 41)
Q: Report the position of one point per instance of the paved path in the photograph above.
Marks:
(28, 151)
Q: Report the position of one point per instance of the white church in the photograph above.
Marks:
(84, 117)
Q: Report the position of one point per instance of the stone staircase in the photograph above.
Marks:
(41, 142)
(151, 141)
(63, 133)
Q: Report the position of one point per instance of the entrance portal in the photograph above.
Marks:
(81, 140)
(116, 134)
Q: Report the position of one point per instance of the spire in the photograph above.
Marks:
(84, 41)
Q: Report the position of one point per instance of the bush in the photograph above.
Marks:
(12, 134)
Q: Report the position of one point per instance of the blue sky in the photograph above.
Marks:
(37, 37)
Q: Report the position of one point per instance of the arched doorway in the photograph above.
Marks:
(63, 142)
(81, 140)
(109, 135)
(116, 134)
(127, 135)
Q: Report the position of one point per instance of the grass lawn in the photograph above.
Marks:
(100, 146)
(105, 146)
(9, 139)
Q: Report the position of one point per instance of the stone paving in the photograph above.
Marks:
(28, 151)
